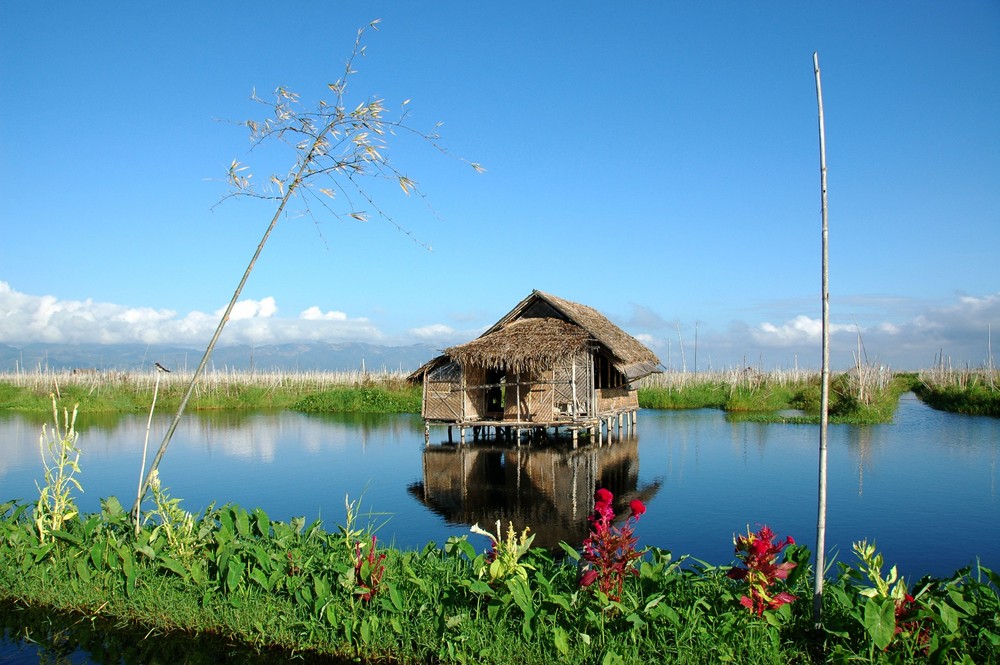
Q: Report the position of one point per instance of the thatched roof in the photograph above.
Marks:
(542, 329)
(630, 356)
(523, 345)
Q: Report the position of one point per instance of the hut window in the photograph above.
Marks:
(605, 375)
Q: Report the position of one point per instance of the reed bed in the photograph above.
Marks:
(44, 379)
(130, 391)
(734, 378)
(973, 391)
(967, 378)
(867, 393)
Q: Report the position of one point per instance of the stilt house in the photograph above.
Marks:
(548, 363)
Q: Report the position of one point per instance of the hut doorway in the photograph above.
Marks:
(495, 389)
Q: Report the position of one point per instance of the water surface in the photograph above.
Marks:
(924, 486)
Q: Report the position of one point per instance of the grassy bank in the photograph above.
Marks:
(969, 391)
(866, 394)
(124, 392)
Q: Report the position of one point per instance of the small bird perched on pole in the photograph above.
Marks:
(161, 368)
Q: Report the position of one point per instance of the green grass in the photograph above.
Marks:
(706, 395)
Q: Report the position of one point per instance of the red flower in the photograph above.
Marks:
(603, 509)
(638, 508)
(759, 554)
(609, 552)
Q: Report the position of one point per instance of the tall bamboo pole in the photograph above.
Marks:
(824, 399)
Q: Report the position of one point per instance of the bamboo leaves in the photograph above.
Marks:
(332, 150)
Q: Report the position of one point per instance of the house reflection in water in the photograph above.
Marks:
(547, 488)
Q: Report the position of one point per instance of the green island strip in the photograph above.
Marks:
(863, 395)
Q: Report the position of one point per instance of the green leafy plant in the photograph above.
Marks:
(504, 558)
(889, 610)
(60, 458)
(367, 562)
(369, 568)
(177, 525)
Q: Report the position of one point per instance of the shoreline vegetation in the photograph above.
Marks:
(866, 394)
(287, 591)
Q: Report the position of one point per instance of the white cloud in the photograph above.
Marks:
(644, 317)
(442, 335)
(25, 318)
(905, 334)
(800, 330)
(433, 331)
(250, 309)
(910, 335)
(646, 339)
(316, 314)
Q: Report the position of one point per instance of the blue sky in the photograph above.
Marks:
(657, 161)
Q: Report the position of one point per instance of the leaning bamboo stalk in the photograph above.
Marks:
(145, 448)
(292, 189)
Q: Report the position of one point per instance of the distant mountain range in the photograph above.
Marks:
(303, 357)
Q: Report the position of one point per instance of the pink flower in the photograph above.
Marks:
(603, 496)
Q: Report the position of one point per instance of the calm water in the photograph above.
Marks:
(925, 487)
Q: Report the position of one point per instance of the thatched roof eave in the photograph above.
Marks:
(524, 345)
